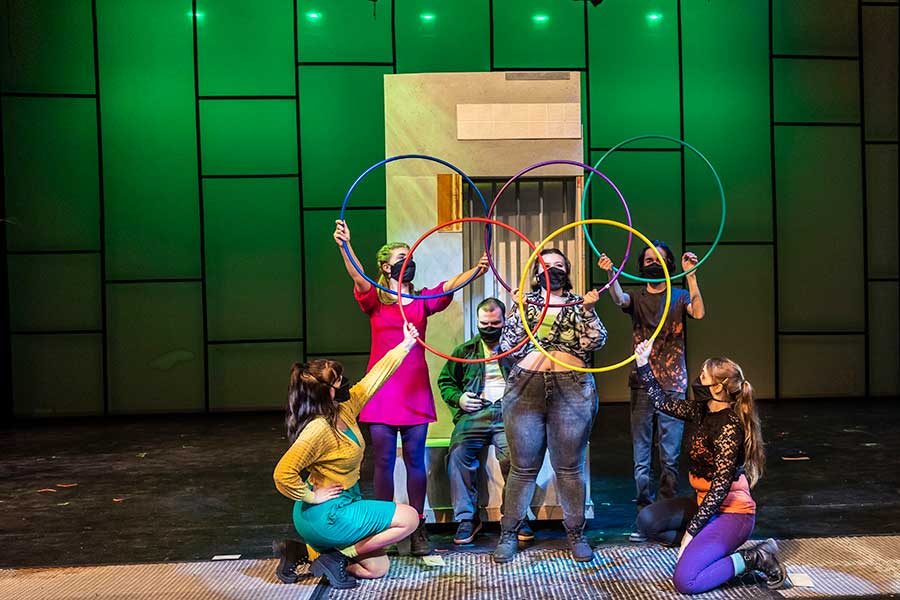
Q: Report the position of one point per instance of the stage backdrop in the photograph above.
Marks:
(173, 172)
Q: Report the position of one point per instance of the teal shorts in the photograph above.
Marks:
(343, 521)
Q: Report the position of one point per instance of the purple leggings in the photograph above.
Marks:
(384, 446)
(706, 562)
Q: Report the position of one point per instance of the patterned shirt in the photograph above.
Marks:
(575, 331)
(667, 355)
(716, 448)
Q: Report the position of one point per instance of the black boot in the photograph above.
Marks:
(507, 546)
(764, 558)
(418, 541)
(290, 554)
(581, 550)
(333, 565)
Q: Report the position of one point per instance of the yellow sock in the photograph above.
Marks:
(313, 554)
(349, 551)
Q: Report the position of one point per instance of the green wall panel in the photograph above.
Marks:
(334, 321)
(816, 90)
(884, 339)
(819, 210)
(251, 376)
(50, 172)
(48, 46)
(880, 71)
(149, 138)
(612, 386)
(830, 366)
(341, 31)
(76, 384)
(54, 292)
(342, 117)
(538, 34)
(633, 92)
(726, 48)
(881, 191)
(429, 34)
(821, 27)
(155, 333)
(654, 202)
(737, 288)
(253, 282)
(245, 48)
(248, 137)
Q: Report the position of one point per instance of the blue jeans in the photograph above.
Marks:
(668, 436)
(473, 433)
(547, 411)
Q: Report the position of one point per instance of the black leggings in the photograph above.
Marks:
(665, 521)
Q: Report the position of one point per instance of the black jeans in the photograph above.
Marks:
(665, 521)
(547, 411)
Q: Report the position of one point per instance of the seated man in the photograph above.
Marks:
(473, 391)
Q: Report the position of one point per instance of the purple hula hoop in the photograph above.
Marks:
(515, 178)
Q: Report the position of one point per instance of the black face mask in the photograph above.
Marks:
(558, 279)
(408, 274)
(701, 392)
(652, 271)
(490, 334)
(342, 393)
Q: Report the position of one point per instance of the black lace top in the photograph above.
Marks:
(716, 448)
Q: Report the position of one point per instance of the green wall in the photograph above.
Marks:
(172, 173)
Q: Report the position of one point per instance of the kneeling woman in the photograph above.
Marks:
(329, 513)
(726, 460)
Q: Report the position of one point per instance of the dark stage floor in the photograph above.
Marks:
(184, 488)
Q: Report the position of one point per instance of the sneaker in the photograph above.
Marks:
(419, 543)
(637, 537)
(525, 534)
(333, 566)
(467, 530)
(507, 547)
(290, 554)
(764, 558)
(581, 550)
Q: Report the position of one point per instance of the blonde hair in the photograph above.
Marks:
(728, 373)
(382, 258)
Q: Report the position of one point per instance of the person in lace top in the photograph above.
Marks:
(726, 460)
(549, 407)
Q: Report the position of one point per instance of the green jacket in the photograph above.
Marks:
(457, 377)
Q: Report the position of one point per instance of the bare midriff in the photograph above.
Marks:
(535, 361)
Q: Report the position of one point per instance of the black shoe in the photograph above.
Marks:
(525, 534)
(419, 545)
(581, 550)
(290, 554)
(467, 531)
(333, 566)
(764, 558)
(506, 547)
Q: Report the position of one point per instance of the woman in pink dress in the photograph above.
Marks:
(404, 405)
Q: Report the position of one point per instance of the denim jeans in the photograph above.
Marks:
(668, 433)
(547, 411)
(474, 432)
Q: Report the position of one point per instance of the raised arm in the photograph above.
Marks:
(696, 308)
(479, 269)
(680, 409)
(341, 235)
(618, 295)
(380, 372)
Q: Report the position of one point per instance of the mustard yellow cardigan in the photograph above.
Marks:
(328, 456)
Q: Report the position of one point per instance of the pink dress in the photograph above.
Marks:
(406, 398)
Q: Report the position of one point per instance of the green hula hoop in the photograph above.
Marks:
(684, 144)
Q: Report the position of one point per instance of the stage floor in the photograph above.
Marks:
(186, 488)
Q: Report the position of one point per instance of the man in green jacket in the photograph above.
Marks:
(474, 393)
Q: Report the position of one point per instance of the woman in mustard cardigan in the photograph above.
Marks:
(348, 533)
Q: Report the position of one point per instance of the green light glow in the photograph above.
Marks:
(313, 16)
(190, 14)
(427, 17)
(654, 17)
(540, 18)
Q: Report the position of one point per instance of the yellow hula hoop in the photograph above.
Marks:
(534, 256)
